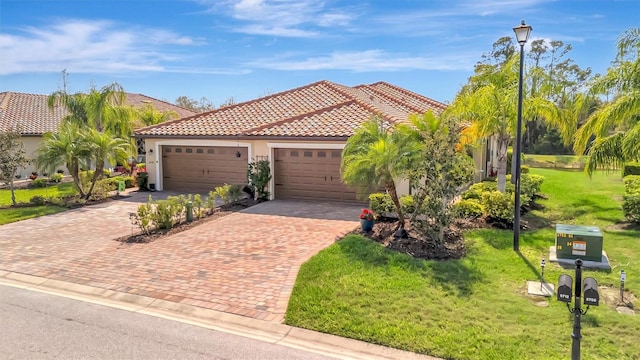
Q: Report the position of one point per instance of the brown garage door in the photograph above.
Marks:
(310, 174)
(202, 168)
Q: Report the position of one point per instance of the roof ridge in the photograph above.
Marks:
(300, 116)
(411, 93)
(391, 98)
(367, 105)
(163, 101)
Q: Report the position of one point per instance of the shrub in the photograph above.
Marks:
(106, 173)
(475, 191)
(524, 169)
(498, 206)
(198, 210)
(39, 183)
(406, 204)
(162, 217)
(381, 203)
(144, 216)
(235, 193)
(57, 177)
(631, 207)
(468, 209)
(259, 175)
(221, 192)
(631, 168)
(142, 180)
(632, 184)
(38, 200)
(530, 185)
(210, 203)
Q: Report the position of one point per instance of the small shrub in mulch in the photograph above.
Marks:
(155, 234)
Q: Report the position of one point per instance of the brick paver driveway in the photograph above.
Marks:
(244, 263)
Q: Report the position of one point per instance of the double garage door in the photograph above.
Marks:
(202, 168)
(312, 174)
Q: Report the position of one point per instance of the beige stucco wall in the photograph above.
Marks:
(31, 144)
(256, 149)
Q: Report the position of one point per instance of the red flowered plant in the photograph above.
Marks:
(366, 214)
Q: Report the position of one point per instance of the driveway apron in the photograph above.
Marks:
(245, 263)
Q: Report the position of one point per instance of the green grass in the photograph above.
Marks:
(24, 195)
(476, 307)
(11, 214)
(555, 161)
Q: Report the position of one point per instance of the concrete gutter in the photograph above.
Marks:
(271, 332)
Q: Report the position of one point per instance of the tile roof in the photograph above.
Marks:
(320, 110)
(31, 113)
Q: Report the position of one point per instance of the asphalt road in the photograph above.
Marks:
(35, 325)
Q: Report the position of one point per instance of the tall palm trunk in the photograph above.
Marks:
(96, 175)
(390, 186)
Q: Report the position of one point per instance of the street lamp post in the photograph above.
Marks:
(522, 35)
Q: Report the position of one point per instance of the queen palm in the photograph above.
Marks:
(612, 132)
(375, 155)
(67, 147)
(488, 103)
(105, 148)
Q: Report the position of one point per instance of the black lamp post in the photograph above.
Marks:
(522, 35)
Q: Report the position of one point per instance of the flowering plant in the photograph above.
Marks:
(366, 214)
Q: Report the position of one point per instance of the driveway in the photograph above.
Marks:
(244, 263)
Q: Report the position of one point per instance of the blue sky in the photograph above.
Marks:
(250, 48)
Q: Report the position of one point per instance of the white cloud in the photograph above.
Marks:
(285, 18)
(83, 46)
(368, 61)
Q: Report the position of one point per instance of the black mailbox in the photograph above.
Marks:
(591, 296)
(565, 286)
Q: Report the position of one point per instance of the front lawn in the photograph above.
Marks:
(477, 307)
(23, 196)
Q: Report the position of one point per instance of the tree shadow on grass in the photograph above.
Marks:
(453, 276)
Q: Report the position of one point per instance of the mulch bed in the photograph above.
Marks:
(416, 243)
(155, 234)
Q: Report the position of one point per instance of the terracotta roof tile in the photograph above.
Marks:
(31, 113)
(321, 109)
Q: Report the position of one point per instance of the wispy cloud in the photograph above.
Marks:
(367, 61)
(84, 46)
(284, 18)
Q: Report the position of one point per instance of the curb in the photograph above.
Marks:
(271, 332)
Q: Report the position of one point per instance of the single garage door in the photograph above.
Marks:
(312, 174)
(202, 168)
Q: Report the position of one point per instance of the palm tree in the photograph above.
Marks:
(375, 155)
(102, 110)
(67, 147)
(489, 104)
(613, 130)
(104, 147)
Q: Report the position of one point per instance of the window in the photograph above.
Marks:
(199, 151)
(294, 154)
(308, 154)
(189, 151)
(322, 154)
(167, 149)
(178, 150)
(209, 151)
(336, 154)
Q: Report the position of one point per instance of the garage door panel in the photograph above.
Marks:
(201, 168)
(310, 174)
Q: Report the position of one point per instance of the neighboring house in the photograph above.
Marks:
(301, 132)
(31, 113)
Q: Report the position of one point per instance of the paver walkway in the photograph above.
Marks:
(244, 263)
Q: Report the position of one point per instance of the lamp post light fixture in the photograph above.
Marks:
(522, 35)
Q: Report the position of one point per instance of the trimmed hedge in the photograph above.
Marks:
(631, 168)
(631, 199)
(381, 203)
(468, 209)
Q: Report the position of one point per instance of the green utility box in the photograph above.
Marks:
(578, 241)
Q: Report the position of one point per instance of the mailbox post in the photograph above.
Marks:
(591, 297)
(623, 278)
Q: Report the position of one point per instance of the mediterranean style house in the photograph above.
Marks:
(30, 113)
(301, 132)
